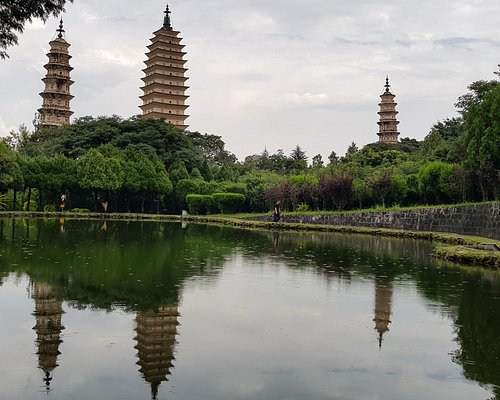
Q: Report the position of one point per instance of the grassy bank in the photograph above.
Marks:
(468, 249)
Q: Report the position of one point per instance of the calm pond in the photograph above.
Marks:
(131, 310)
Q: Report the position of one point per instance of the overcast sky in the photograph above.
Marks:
(270, 74)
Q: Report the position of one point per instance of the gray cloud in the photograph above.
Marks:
(464, 42)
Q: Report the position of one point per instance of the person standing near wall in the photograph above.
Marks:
(277, 211)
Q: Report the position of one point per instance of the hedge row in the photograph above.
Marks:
(225, 203)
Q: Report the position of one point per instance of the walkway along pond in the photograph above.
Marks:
(176, 310)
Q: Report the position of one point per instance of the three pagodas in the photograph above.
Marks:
(164, 85)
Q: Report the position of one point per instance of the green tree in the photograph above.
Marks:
(101, 169)
(147, 136)
(17, 139)
(482, 142)
(195, 174)
(352, 149)
(449, 128)
(335, 191)
(434, 147)
(55, 175)
(188, 186)
(298, 159)
(388, 186)
(178, 171)
(317, 161)
(212, 147)
(434, 182)
(257, 184)
(333, 158)
(362, 192)
(8, 167)
(477, 91)
(31, 172)
(143, 176)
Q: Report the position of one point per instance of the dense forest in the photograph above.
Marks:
(137, 165)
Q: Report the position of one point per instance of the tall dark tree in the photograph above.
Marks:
(353, 148)
(317, 161)
(7, 167)
(477, 91)
(212, 147)
(482, 142)
(14, 14)
(299, 159)
(333, 158)
(449, 128)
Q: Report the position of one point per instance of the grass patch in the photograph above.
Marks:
(470, 255)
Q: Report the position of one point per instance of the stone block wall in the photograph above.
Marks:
(476, 219)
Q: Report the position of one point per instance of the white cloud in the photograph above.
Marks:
(112, 57)
(306, 99)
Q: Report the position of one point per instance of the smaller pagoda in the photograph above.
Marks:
(55, 110)
(388, 124)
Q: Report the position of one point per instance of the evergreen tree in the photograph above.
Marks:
(352, 149)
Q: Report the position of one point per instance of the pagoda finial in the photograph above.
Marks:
(387, 86)
(60, 30)
(166, 20)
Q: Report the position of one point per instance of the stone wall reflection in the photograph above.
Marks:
(156, 332)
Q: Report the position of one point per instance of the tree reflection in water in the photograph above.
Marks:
(142, 267)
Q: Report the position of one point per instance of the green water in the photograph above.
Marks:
(130, 310)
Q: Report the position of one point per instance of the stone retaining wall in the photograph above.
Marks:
(477, 219)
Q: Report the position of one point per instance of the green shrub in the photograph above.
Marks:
(233, 187)
(303, 207)
(229, 203)
(49, 208)
(200, 204)
(80, 210)
(33, 206)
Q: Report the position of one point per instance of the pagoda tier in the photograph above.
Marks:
(55, 110)
(165, 82)
(388, 124)
(156, 331)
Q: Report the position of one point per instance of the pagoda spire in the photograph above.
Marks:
(166, 21)
(61, 29)
(387, 85)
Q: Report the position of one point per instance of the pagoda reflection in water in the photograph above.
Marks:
(383, 306)
(48, 314)
(156, 332)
